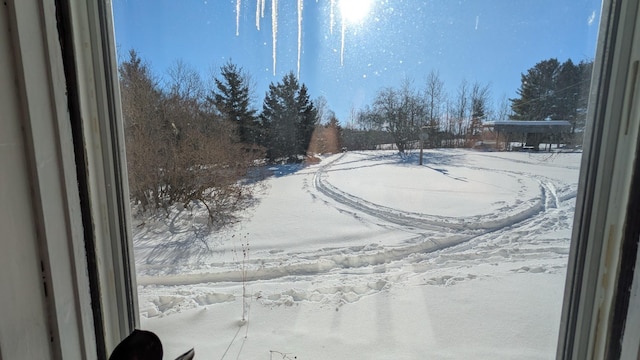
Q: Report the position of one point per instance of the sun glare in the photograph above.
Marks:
(354, 11)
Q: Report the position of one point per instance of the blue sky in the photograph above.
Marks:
(489, 41)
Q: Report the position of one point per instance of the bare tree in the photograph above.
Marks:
(184, 81)
(141, 102)
(325, 114)
(326, 137)
(461, 111)
(503, 111)
(479, 99)
(178, 152)
(435, 97)
(401, 112)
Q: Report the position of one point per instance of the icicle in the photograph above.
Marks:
(238, 6)
(274, 31)
(331, 16)
(300, 7)
(342, 44)
(258, 14)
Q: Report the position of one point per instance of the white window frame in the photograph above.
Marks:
(45, 290)
(92, 41)
(82, 234)
(74, 278)
(611, 141)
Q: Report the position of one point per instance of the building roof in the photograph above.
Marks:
(530, 126)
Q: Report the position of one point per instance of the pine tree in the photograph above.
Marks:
(555, 91)
(308, 118)
(537, 92)
(288, 118)
(232, 99)
(567, 94)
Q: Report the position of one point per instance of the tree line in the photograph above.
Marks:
(555, 91)
(188, 141)
(549, 91)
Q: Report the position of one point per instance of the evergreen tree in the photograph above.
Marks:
(232, 99)
(567, 94)
(555, 91)
(288, 118)
(537, 92)
(334, 131)
(308, 118)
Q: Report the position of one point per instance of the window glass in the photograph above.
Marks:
(354, 179)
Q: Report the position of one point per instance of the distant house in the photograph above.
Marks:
(530, 133)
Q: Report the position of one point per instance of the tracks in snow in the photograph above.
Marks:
(430, 233)
(468, 227)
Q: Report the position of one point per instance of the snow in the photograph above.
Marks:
(368, 255)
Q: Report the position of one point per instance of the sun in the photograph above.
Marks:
(354, 11)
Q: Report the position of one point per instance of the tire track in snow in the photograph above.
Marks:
(471, 226)
(450, 232)
(465, 229)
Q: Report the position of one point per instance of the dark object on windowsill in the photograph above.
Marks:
(143, 345)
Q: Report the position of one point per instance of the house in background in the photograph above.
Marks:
(529, 133)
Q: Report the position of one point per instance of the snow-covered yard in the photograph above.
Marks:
(367, 255)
